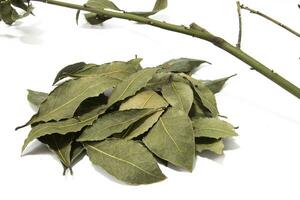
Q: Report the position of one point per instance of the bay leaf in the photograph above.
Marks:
(212, 128)
(9, 10)
(183, 65)
(204, 94)
(178, 95)
(144, 99)
(95, 19)
(126, 160)
(36, 98)
(158, 6)
(63, 127)
(20, 4)
(142, 125)
(68, 71)
(197, 110)
(158, 80)
(63, 101)
(61, 145)
(172, 139)
(7, 13)
(112, 123)
(217, 85)
(116, 69)
(90, 104)
(216, 147)
(131, 85)
(77, 153)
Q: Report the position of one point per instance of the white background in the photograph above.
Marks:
(263, 162)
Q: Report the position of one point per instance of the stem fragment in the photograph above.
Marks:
(238, 45)
(270, 19)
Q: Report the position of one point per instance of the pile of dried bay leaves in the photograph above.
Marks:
(125, 118)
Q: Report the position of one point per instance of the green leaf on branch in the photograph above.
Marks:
(159, 5)
(9, 14)
(94, 19)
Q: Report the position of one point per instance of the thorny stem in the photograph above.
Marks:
(197, 32)
(270, 19)
(238, 45)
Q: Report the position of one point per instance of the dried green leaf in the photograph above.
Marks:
(217, 85)
(159, 5)
(36, 98)
(63, 101)
(172, 139)
(144, 99)
(131, 85)
(77, 153)
(90, 104)
(126, 160)
(178, 95)
(61, 145)
(63, 127)
(69, 71)
(117, 69)
(101, 4)
(212, 128)
(216, 147)
(20, 4)
(95, 19)
(182, 65)
(197, 110)
(204, 94)
(7, 13)
(112, 123)
(142, 126)
(196, 27)
(158, 80)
